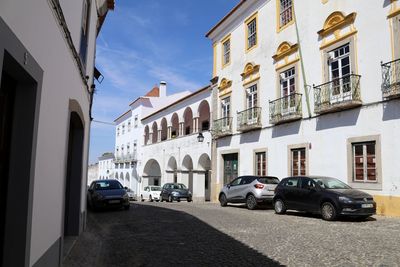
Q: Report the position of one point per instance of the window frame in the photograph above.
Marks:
(249, 20)
(279, 12)
(260, 152)
(225, 40)
(371, 185)
(306, 146)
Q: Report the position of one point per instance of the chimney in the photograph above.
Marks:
(163, 89)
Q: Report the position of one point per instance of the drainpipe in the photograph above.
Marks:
(302, 65)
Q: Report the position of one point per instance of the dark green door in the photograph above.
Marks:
(230, 167)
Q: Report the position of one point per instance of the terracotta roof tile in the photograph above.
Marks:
(155, 92)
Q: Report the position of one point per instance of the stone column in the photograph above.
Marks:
(181, 128)
(159, 136)
(214, 185)
(150, 138)
(196, 125)
(169, 132)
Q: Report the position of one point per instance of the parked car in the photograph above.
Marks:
(131, 194)
(175, 191)
(151, 193)
(327, 196)
(107, 193)
(249, 189)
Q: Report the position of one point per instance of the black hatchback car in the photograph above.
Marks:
(175, 191)
(327, 196)
(107, 193)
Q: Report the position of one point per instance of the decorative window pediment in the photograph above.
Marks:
(225, 87)
(336, 21)
(250, 69)
(285, 49)
(337, 27)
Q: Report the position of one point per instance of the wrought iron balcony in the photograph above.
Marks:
(222, 127)
(285, 109)
(338, 94)
(391, 79)
(249, 119)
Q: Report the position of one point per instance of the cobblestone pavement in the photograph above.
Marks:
(205, 234)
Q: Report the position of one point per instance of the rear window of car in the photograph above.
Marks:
(107, 185)
(268, 180)
(155, 188)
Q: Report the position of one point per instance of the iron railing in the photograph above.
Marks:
(391, 78)
(249, 119)
(222, 127)
(286, 108)
(340, 93)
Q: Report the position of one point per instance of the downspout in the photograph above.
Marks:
(302, 65)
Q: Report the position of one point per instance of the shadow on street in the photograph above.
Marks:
(154, 236)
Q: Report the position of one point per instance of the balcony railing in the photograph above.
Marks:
(391, 79)
(222, 127)
(338, 94)
(285, 109)
(126, 157)
(249, 119)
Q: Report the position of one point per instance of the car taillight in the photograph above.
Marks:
(259, 186)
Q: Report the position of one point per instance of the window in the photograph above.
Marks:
(123, 128)
(288, 82)
(251, 95)
(252, 33)
(84, 31)
(339, 72)
(226, 107)
(298, 162)
(291, 182)
(118, 131)
(134, 146)
(364, 162)
(285, 12)
(261, 164)
(136, 121)
(129, 126)
(236, 181)
(226, 46)
(128, 146)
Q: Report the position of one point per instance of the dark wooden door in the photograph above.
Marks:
(7, 96)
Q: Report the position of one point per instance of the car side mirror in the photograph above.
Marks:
(125, 187)
(228, 185)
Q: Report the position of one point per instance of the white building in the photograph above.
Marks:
(106, 166)
(93, 173)
(299, 89)
(47, 51)
(129, 134)
(172, 152)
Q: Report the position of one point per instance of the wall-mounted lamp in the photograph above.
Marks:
(200, 138)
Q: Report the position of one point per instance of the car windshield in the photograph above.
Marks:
(155, 188)
(178, 186)
(330, 183)
(107, 185)
(268, 180)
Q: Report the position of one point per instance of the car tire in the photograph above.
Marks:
(328, 211)
(222, 200)
(170, 199)
(151, 198)
(127, 207)
(189, 200)
(251, 202)
(141, 198)
(178, 200)
(279, 206)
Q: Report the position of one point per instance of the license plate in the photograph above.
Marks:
(367, 205)
(113, 201)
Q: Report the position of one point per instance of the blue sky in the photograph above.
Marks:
(143, 42)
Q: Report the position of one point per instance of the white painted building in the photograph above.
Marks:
(129, 134)
(172, 152)
(47, 54)
(93, 173)
(106, 166)
(299, 89)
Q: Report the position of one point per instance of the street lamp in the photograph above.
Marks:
(200, 138)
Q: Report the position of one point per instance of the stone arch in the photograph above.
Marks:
(188, 121)
(204, 162)
(172, 165)
(146, 134)
(187, 163)
(174, 125)
(116, 175)
(127, 179)
(204, 177)
(154, 129)
(164, 129)
(204, 115)
(121, 176)
(151, 173)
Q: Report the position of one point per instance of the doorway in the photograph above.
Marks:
(230, 167)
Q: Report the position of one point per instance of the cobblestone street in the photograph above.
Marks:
(205, 234)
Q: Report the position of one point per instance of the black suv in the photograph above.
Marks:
(323, 195)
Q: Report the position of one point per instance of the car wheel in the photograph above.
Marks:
(127, 207)
(328, 211)
(222, 200)
(141, 198)
(189, 200)
(170, 198)
(150, 198)
(179, 200)
(279, 206)
(251, 202)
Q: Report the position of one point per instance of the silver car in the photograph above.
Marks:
(251, 190)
